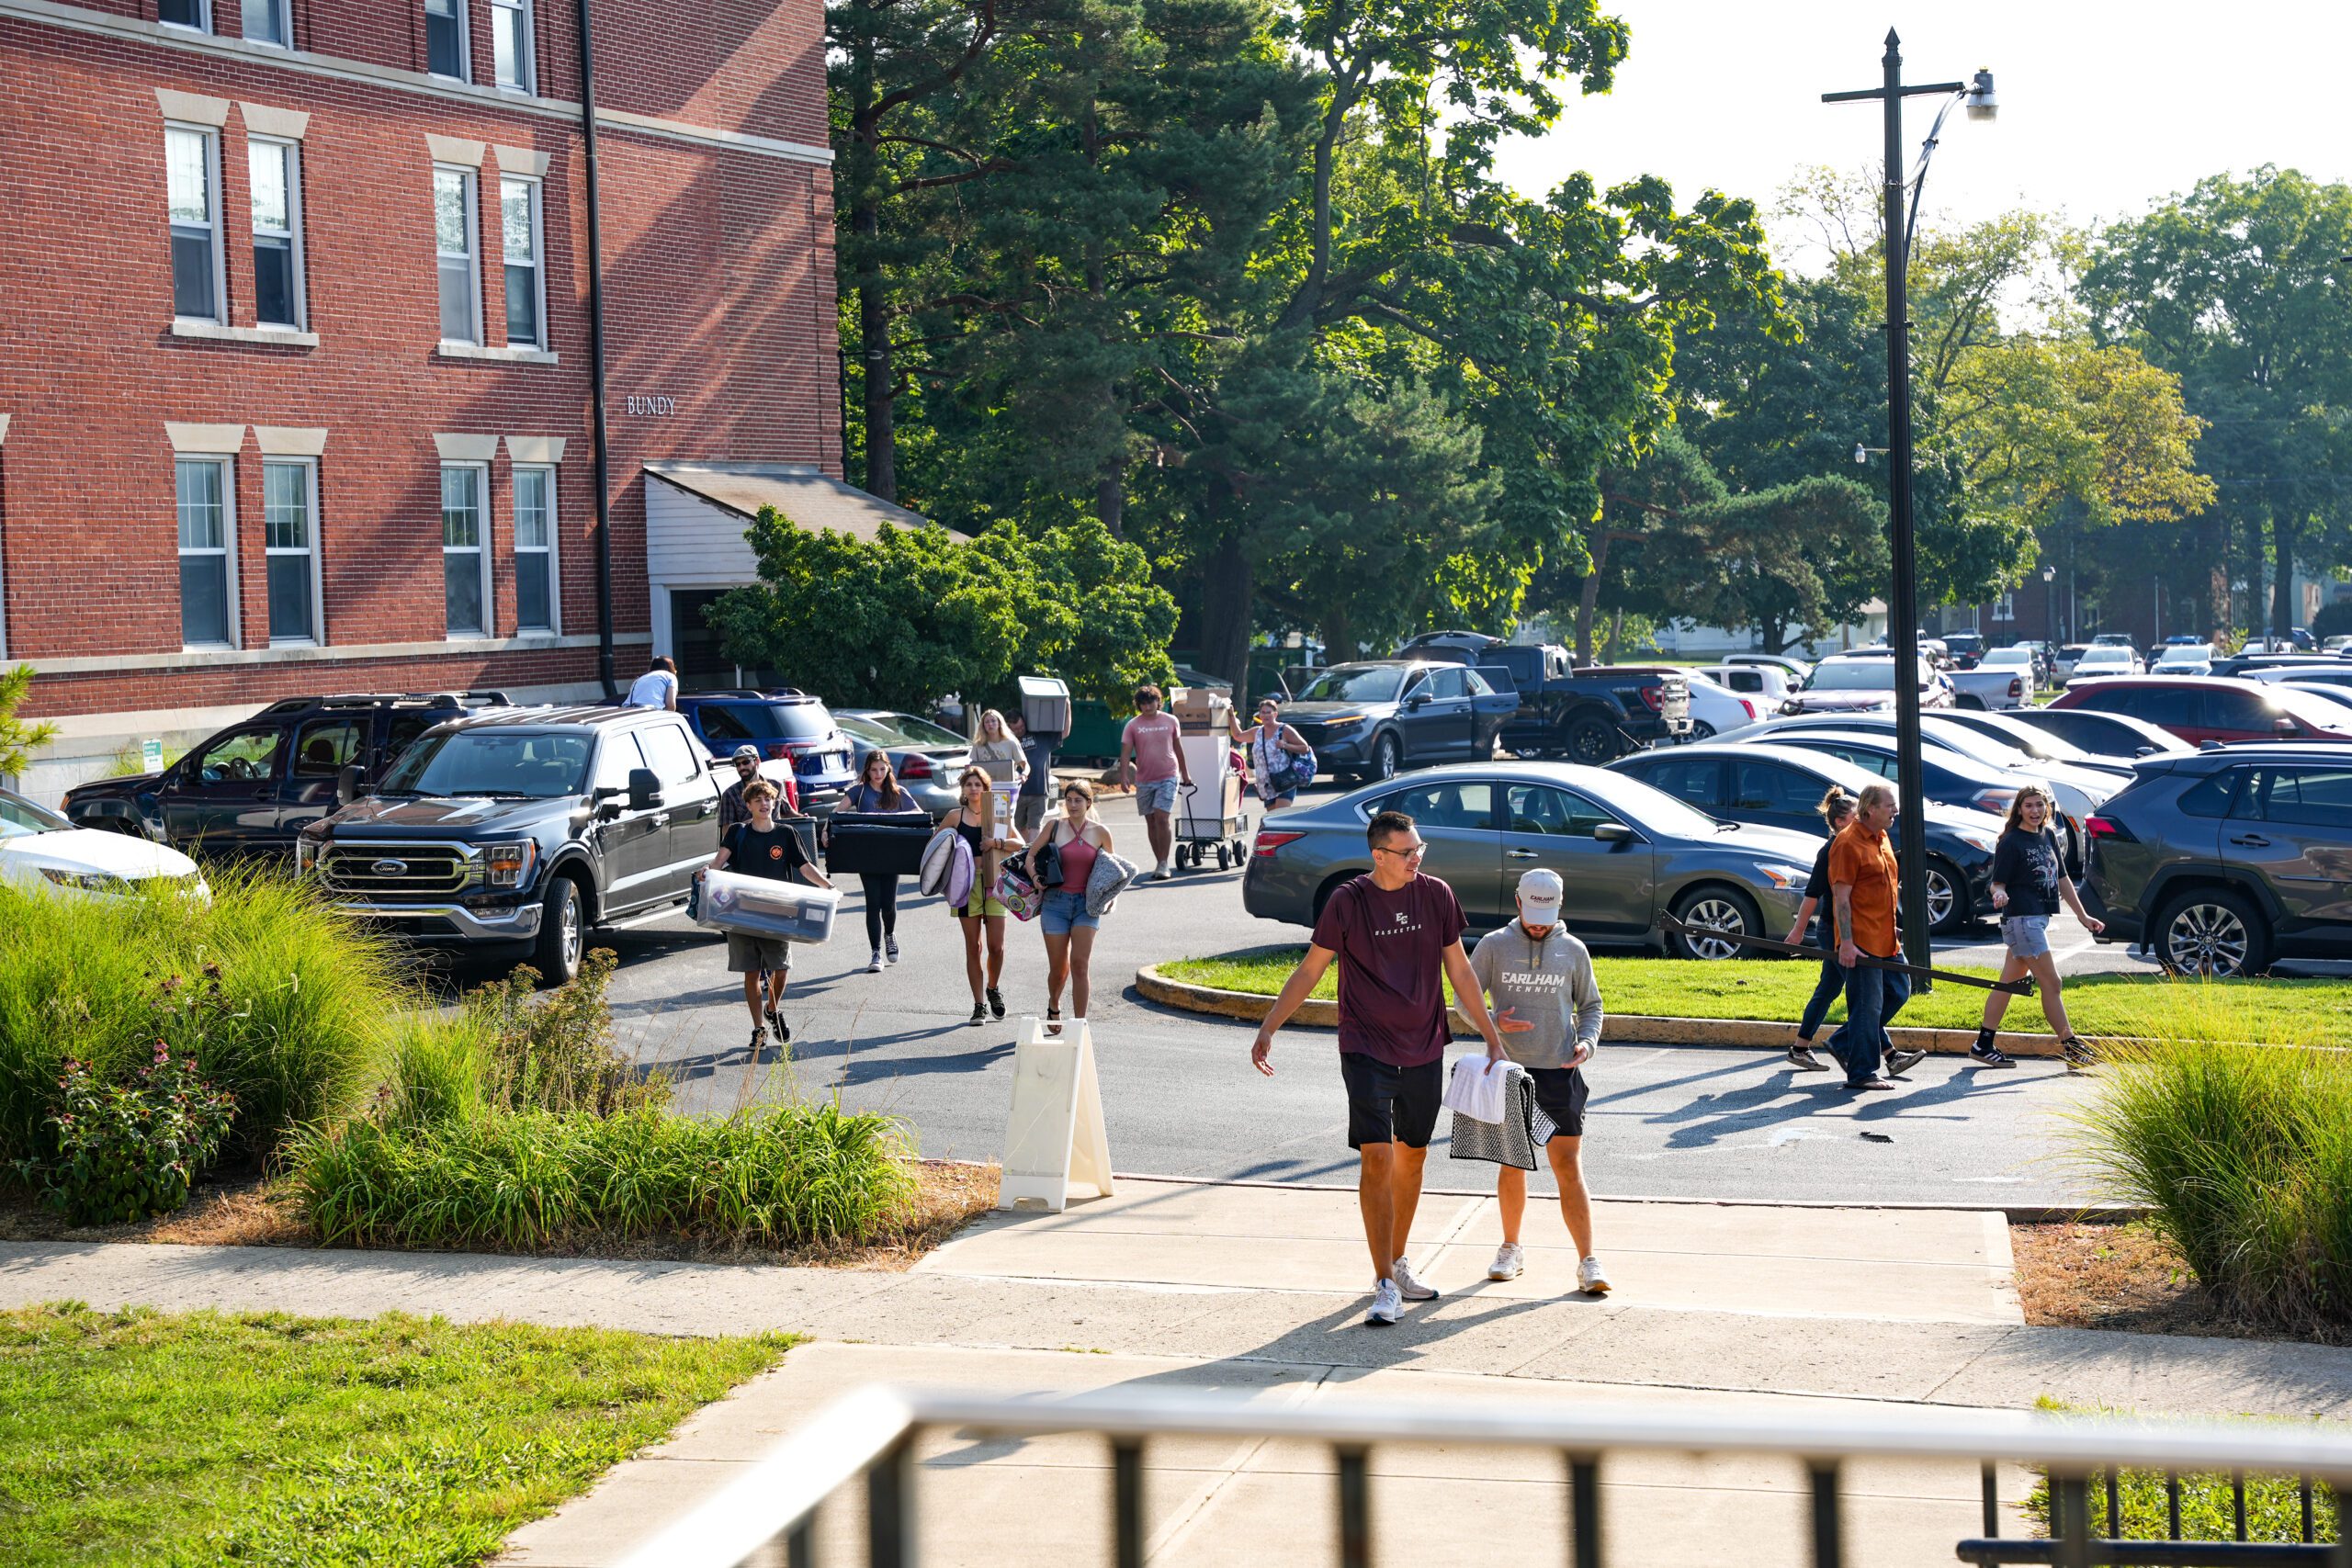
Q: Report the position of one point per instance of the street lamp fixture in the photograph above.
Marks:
(1903, 602)
(1862, 453)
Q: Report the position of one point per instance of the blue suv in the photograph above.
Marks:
(782, 722)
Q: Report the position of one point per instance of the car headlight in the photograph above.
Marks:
(1783, 877)
(1792, 706)
(306, 853)
(88, 881)
(1345, 721)
(508, 865)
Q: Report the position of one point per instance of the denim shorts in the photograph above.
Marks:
(1157, 794)
(2027, 936)
(1063, 912)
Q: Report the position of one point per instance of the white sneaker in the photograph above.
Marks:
(1161, 874)
(1412, 1289)
(874, 967)
(1510, 1261)
(1591, 1278)
(1385, 1304)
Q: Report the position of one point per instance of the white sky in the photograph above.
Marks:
(2105, 106)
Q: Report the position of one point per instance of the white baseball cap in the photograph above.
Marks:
(1539, 897)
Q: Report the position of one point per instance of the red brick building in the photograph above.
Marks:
(295, 358)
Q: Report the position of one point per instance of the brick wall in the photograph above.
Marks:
(718, 295)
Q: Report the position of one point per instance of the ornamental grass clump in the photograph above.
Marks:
(307, 1001)
(2244, 1154)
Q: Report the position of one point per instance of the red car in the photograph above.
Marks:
(2199, 708)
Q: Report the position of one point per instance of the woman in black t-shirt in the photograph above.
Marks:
(1837, 809)
(2029, 881)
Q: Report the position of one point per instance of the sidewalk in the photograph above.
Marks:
(1262, 1290)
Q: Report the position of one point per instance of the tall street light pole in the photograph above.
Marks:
(1903, 602)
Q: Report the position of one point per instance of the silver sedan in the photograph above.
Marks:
(1629, 853)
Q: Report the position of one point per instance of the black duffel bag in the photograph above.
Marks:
(887, 844)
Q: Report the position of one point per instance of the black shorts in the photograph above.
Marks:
(1560, 1093)
(1389, 1104)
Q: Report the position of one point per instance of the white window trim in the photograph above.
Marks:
(228, 463)
(310, 467)
(538, 255)
(530, 54)
(203, 24)
(470, 180)
(554, 553)
(483, 534)
(292, 151)
(217, 195)
(285, 24)
(465, 47)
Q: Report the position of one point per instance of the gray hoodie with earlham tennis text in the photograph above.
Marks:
(1550, 984)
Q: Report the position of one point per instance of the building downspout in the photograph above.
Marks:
(604, 671)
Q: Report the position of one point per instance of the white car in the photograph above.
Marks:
(2017, 656)
(1768, 684)
(43, 852)
(1718, 710)
(2106, 658)
(2184, 658)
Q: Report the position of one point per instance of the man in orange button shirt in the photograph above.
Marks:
(1862, 882)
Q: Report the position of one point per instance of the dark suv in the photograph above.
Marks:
(782, 722)
(2222, 861)
(248, 790)
(523, 827)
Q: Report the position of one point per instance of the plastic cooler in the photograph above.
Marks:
(1044, 704)
(761, 906)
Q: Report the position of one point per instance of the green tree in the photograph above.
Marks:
(2237, 289)
(19, 738)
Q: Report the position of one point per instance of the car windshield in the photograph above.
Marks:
(20, 816)
(525, 764)
(2106, 653)
(2025, 738)
(1355, 683)
(1852, 675)
(2017, 657)
(921, 731)
(2187, 653)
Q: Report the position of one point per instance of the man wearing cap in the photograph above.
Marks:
(1547, 1005)
(732, 809)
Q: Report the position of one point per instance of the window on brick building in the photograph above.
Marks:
(266, 22)
(519, 211)
(445, 38)
(192, 176)
(186, 14)
(207, 609)
(278, 206)
(510, 42)
(535, 608)
(464, 581)
(290, 545)
(453, 239)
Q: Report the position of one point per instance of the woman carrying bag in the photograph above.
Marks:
(981, 915)
(876, 792)
(1061, 857)
(1278, 755)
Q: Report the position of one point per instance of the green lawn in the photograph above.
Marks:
(2310, 1012)
(2274, 1510)
(139, 1438)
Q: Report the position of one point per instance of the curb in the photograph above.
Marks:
(1316, 1013)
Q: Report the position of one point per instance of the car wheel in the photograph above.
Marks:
(1718, 909)
(1702, 731)
(1591, 740)
(563, 933)
(1387, 757)
(1949, 906)
(2213, 933)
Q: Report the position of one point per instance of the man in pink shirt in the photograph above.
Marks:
(1151, 760)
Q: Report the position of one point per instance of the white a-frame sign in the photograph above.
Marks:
(1054, 1149)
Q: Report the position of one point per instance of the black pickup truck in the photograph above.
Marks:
(244, 793)
(1587, 714)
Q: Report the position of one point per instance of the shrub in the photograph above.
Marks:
(307, 1000)
(520, 1179)
(550, 1052)
(2245, 1154)
(129, 1151)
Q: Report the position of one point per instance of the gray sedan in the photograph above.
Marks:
(926, 757)
(1629, 853)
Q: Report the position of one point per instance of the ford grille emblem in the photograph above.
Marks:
(390, 868)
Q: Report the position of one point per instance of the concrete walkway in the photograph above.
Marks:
(1261, 1290)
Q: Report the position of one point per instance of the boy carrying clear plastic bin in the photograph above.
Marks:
(763, 847)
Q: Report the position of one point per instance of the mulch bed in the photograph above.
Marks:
(949, 1193)
(2126, 1277)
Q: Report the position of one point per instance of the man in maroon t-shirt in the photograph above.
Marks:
(1394, 933)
